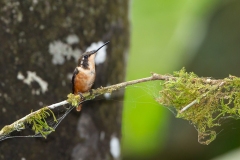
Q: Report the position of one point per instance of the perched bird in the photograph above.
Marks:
(84, 74)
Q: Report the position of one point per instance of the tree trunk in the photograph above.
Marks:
(41, 41)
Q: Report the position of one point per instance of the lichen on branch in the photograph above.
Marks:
(202, 101)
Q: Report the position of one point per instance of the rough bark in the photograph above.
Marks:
(28, 29)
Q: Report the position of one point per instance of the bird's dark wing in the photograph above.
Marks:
(75, 72)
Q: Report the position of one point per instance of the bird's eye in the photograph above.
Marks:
(86, 56)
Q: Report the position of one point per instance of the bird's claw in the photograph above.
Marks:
(81, 97)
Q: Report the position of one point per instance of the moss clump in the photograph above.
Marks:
(73, 99)
(39, 123)
(210, 101)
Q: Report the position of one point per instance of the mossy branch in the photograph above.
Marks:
(37, 119)
(202, 101)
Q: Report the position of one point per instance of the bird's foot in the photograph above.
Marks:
(81, 97)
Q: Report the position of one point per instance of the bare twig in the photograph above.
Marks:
(188, 106)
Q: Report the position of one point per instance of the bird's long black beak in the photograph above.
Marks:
(95, 51)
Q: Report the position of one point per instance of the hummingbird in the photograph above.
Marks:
(84, 74)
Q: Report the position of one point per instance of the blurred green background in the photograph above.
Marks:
(167, 35)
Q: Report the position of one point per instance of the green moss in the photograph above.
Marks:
(74, 100)
(211, 101)
(39, 123)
